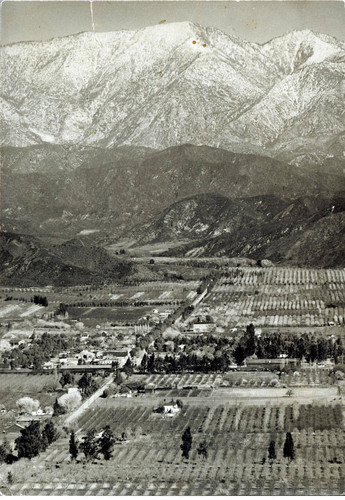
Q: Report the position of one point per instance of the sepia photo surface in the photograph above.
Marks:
(172, 268)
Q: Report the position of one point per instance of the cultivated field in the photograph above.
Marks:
(144, 291)
(92, 305)
(150, 291)
(237, 435)
(128, 304)
(91, 316)
(189, 380)
(277, 297)
(14, 386)
(18, 310)
(236, 413)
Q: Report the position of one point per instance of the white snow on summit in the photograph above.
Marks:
(175, 83)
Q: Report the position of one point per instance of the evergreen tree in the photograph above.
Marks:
(289, 451)
(6, 454)
(49, 432)
(3, 453)
(151, 364)
(250, 330)
(106, 443)
(29, 443)
(186, 443)
(62, 310)
(58, 409)
(239, 354)
(143, 364)
(73, 446)
(250, 340)
(128, 368)
(87, 384)
(272, 451)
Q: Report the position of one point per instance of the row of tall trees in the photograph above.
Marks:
(186, 446)
(36, 299)
(288, 449)
(187, 441)
(39, 299)
(306, 346)
(185, 362)
(118, 303)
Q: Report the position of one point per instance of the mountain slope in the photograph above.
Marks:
(119, 190)
(198, 217)
(177, 83)
(26, 261)
(306, 231)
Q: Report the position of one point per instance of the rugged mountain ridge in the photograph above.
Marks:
(113, 192)
(180, 131)
(306, 231)
(177, 83)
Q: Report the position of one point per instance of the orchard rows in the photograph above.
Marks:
(178, 381)
(277, 297)
(284, 276)
(237, 463)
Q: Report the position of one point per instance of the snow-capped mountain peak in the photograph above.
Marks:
(172, 84)
(305, 47)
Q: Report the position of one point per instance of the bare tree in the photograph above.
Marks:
(27, 405)
(70, 401)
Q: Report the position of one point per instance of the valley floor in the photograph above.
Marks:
(237, 411)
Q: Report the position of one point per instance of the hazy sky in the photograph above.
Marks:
(252, 20)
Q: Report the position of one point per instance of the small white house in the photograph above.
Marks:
(73, 390)
(49, 365)
(202, 327)
(38, 413)
(171, 409)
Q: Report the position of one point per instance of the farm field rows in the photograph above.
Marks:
(237, 435)
(115, 303)
(17, 310)
(147, 291)
(277, 297)
(93, 315)
(177, 381)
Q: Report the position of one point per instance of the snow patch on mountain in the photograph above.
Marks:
(173, 84)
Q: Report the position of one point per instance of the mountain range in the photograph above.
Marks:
(175, 132)
(110, 193)
(178, 83)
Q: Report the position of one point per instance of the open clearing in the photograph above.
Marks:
(14, 386)
(93, 315)
(21, 310)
